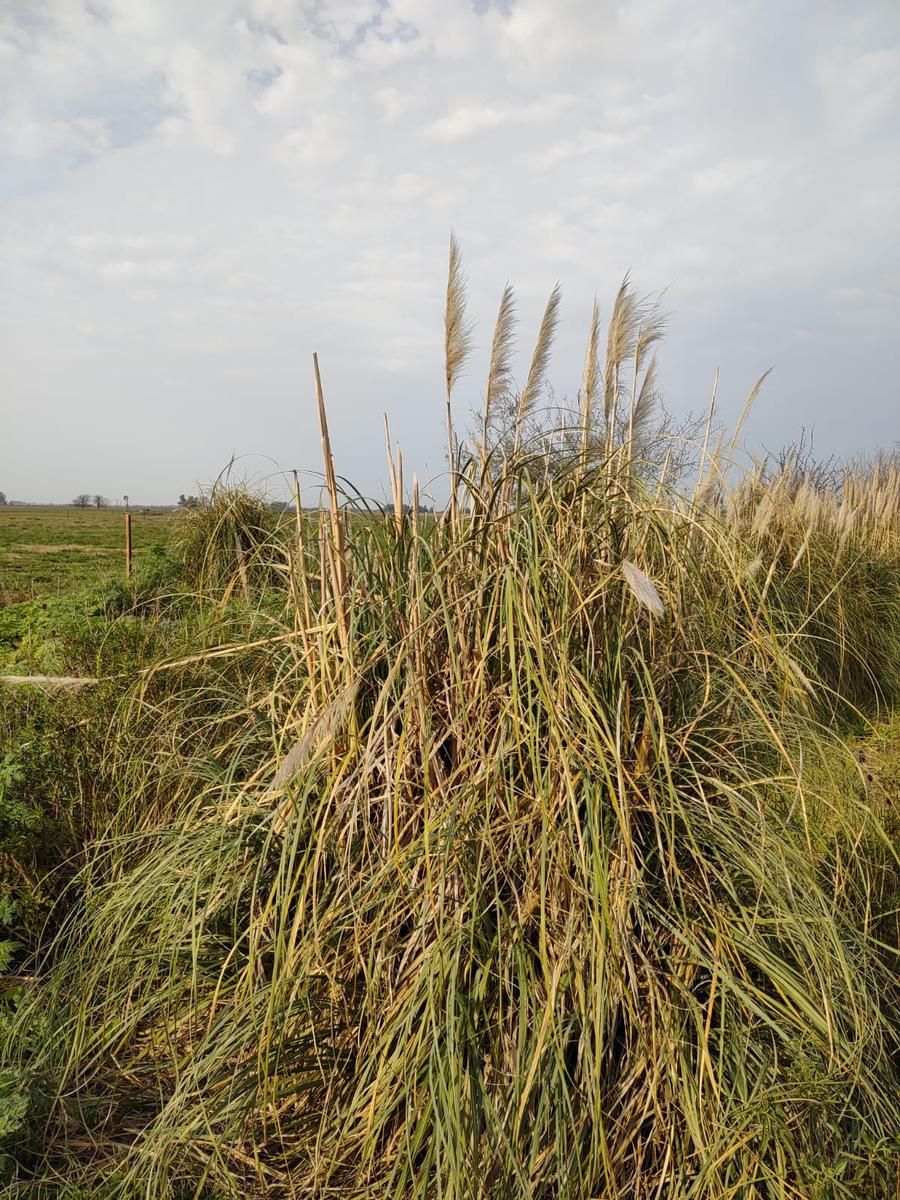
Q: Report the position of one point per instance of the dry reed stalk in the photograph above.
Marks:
(590, 380)
(709, 420)
(298, 515)
(303, 620)
(643, 398)
(537, 372)
(398, 491)
(629, 443)
(324, 727)
(415, 508)
(748, 404)
(457, 344)
(662, 475)
(619, 347)
(241, 567)
(499, 371)
(300, 543)
(48, 682)
(338, 554)
(714, 477)
(396, 476)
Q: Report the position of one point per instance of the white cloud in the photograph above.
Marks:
(196, 196)
(467, 119)
(74, 138)
(728, 175)
(587, 142)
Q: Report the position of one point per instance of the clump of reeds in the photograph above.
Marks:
(224, 542)
(829, 553)
(490, 867)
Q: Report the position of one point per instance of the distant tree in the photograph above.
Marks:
(125, 498)
(82, 500)
(100, 502)
(187, 501)
(797, 463)
(2, 497)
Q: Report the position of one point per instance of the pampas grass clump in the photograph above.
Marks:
(495, 868)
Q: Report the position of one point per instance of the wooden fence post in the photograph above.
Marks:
(128, 545)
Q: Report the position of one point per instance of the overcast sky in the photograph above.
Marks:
(196, 194)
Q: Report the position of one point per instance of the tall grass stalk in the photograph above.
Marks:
(482, 857)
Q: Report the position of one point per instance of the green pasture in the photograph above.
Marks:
(50, 550)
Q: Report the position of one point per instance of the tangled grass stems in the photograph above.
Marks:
(499, 855)
(538, 912)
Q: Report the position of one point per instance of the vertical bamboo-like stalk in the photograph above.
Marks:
(302, 606)
(415, 510)
(300, 540)
(612, 414)
(298, 514)
(128, 545)
(338, 554)
(301, 551)
(390, 461)
(323, 564)
(396, 476)
(398, 491)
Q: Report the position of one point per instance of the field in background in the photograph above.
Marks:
(51, 550)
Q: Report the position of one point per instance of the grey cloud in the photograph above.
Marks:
(198, 196)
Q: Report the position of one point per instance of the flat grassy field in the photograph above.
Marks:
(51, 550)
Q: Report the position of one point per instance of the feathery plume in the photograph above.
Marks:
(325, 725)
(591, 378)
(499, 374)
(762, 518)
(748, 404)
(620, 344)
(338, 547)
(539, 361)
(457, 330)
(642, 588)
(643, 405)
(711, 412)
(652, 330)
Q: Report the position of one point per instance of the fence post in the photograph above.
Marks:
(128, 545)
